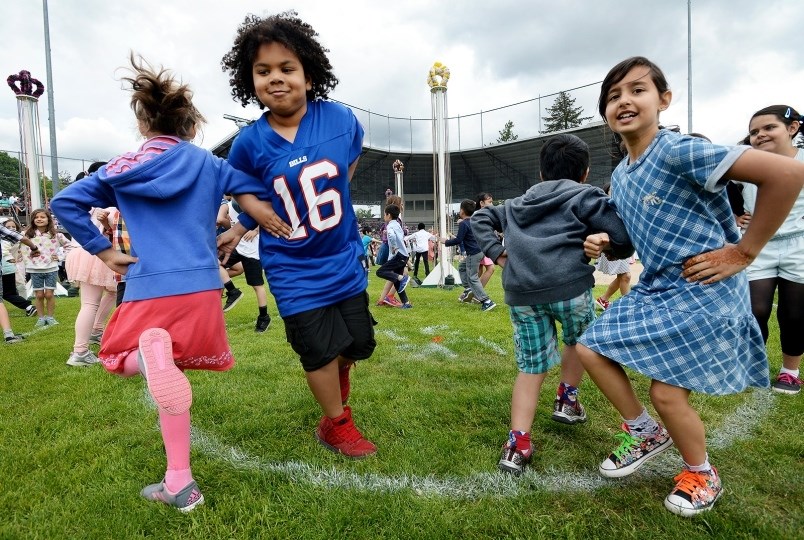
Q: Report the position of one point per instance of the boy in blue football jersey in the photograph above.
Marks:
(305, 149)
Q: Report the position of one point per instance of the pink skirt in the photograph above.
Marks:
(195, 324)
(486, 262)
(86, 268)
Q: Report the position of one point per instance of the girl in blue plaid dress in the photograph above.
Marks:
(687, 324)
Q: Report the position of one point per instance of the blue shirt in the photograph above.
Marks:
(308, 184)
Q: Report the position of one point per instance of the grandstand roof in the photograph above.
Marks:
(505, 169)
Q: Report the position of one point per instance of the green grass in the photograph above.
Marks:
(77, 445)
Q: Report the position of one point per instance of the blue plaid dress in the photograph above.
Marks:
(699, 337)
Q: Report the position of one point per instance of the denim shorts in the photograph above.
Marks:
(535, 334)
(45, 280)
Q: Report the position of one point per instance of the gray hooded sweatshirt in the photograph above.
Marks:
(544, 234)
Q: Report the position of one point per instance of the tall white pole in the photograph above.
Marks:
(399, 173)
(27, 89)
(689, 66)
(54, 159)
(437, 80)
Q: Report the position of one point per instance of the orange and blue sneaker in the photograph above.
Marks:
(634, 450)
(695, 492)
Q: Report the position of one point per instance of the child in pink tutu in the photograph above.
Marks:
(98, 287)
(170, 319)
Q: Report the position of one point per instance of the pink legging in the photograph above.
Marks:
(175, 435)
(96, 304)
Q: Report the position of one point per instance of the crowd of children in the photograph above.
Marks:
(289, 173)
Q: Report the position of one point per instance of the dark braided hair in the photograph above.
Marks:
(161, 103)
(285, 28)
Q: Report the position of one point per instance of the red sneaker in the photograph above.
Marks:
(343, 378)
(340, 435)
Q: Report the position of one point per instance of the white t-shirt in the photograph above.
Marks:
(246, 248)
(795, 219)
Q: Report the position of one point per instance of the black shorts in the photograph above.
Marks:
(320, 335)
(251, 268)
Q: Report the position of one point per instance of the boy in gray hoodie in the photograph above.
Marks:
(547, 278)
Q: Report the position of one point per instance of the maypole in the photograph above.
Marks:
(399, 173)
(22, 84)
(442, 182)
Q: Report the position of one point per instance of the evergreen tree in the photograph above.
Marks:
(9, 174)
(507, 133)
(563, 114)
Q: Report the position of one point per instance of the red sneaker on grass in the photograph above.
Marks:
(339, 435)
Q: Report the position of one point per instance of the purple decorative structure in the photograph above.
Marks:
(27, 89)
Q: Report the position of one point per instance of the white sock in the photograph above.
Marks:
(8, 333)
(643, 423)
(793, 372)
(705, 466)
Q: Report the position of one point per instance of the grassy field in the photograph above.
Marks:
(77, 445)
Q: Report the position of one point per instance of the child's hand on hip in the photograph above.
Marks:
(716, 265)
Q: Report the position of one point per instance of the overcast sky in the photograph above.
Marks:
(746, 55)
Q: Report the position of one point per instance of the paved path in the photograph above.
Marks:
(605, 279)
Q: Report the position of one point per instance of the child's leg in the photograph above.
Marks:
(50, 301)
(762, 292)
(104, 309)
(90, 300)
(791, 322)
(524, 399)
(325, 386)
(40, 303)
(611, 379)
(611, 289)
(472, 264)
(486, 275)
(571, 367)
(681, 421)
(426, 257)
(625, 283)
(176, 436)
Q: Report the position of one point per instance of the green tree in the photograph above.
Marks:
(563, 114)
(507, 133)
(363, 213)
(10, 168)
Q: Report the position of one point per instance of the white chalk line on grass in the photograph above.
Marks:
(736, 426)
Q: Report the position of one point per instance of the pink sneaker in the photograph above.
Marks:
(166, 383)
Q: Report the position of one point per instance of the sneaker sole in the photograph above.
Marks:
(167, 384)
(233, 304)
(510, 467)
(78, 363)
(569, 420)
(630, 469)
(785, 391)
(689, 512)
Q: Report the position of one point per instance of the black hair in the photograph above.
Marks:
(420, 226)
(618, 72)
(79, 176)
(564, 156)
(366, 230)
(285, 28)
(95, 166)
(160, 102)
(482, 196)
(392, 210)
(468, 207)
(785, 114)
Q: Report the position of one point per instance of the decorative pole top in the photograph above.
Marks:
(398, 166)
(438, 76)
(26, 84)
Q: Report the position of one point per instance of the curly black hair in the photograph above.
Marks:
(285, 28)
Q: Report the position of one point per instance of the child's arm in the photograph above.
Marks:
(262, 212)
(485, 224)
(118, 262)
(779, 180)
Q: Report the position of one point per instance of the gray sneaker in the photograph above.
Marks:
(51, 321)
(85, 359)
(184, 501)
(16, 338)
(95, 337)
(41, 323)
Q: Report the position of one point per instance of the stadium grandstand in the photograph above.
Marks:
(504, 169)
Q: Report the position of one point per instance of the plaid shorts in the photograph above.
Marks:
(535, 335)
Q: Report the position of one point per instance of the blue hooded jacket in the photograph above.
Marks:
(169, 204)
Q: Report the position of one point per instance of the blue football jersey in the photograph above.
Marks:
(308, 181)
